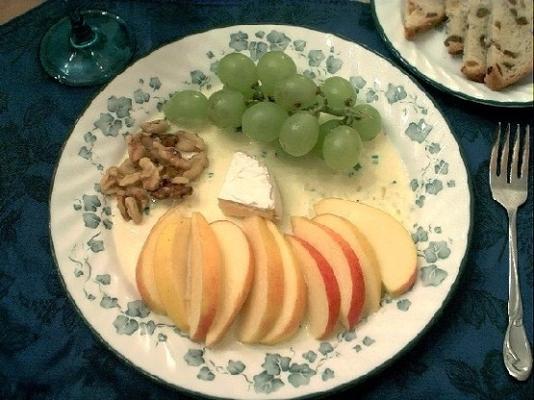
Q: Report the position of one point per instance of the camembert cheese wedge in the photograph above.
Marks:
(249, 189)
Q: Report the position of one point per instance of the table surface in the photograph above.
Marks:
(46, 350)
(10, 9)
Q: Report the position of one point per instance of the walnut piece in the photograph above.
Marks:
(141, 195)
(185, 144)
(169, 190)
(198, 163)
(122, 208)
(155, 168)
(133, 209)
(131, 179)
(180, 180)
(136, 149)
(193, 137)
(156, 126)
(109, 182)
(149, 174)
(127, 167)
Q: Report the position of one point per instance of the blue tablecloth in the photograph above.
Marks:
(46, 350)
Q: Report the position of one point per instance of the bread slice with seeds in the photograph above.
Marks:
(456, 11)
(510, 52)
(475, 46)
(422, 15)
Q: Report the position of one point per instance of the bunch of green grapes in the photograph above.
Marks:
(271, 101)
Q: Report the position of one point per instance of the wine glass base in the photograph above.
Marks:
(91, 63)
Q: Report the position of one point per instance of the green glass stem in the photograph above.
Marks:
(86, 48)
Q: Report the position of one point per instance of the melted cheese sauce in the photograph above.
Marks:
(381, 181)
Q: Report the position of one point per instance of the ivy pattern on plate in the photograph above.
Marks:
(433, 178)
(128, 320)
(278, 370)
(117, 121)
(320, 64)
(432, 252)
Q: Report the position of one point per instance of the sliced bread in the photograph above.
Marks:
(510, 52)
(475, 46)
(456, 11)
(422, 15)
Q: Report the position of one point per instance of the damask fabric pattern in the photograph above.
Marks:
(46, 350)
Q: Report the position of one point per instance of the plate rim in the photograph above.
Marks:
(337, 389)
(414, 70)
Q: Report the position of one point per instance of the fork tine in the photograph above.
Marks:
(514, 168)
(526, 149)
(505, 153)
(495, 152)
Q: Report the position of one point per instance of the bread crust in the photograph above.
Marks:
(411, 31)
(474, 73)
(419, 23)
(495, 81)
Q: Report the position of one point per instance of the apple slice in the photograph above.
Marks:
(366, 257)
(237, 273)
(144, 271)
(391, 242)
(267, 294)
(344, 262)
(205, 277)
(170, 267)
(294, 303)
(324, 298)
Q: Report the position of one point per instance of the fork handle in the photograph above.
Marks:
(516, 349)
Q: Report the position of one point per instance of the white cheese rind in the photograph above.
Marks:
(249, 182)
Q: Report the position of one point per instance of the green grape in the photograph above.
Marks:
(299, 134)
(187, 108)
(339, 94)
(324, 129)
(262, 121)
(295, 92)
(226, 107)
(273, 67)
(238, 72)
(342, 147)
(367, 121)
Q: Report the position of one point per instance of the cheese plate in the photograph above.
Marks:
(413, 171)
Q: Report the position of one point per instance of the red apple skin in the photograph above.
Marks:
(331, 286)
(363, 216)
(408, 285)
(358, 294)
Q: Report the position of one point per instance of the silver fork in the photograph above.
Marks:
(509, 187)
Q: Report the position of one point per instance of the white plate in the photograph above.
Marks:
(95, 262)
(427, 57)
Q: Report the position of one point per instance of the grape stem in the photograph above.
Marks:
(317, 108)
(257, 97)
(357, 115)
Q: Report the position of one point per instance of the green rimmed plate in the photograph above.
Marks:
(427, 58)
(95, 249)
